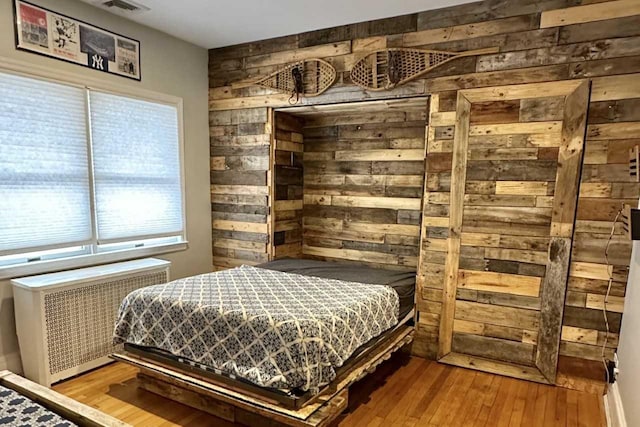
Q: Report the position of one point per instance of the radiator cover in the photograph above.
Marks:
(65, 320)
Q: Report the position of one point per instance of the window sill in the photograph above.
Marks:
(50, 266)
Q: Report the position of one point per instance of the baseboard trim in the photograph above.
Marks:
(613, 407)
(12, 362)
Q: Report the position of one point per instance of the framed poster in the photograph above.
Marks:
(49, 33)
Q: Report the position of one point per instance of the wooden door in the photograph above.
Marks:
(516, 158)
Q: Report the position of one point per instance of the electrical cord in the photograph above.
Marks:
(606, 297)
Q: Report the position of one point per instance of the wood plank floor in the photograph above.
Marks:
(404, 391)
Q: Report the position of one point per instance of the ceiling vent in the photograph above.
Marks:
(122, 6)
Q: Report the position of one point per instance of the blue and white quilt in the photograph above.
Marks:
(275, 329)
(17, 410)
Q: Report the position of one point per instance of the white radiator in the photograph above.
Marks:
(65, 320)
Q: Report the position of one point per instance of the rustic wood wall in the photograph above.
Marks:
(240, 147)
(287, 186)
(539, 41)
(363, 179)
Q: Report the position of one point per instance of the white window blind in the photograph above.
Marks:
(136, 160)
(44, 179)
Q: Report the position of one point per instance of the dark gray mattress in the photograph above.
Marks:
(404, 283)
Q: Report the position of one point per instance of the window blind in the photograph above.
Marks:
(44, 176)
(136, 168)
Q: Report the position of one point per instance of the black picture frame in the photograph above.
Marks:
(92, 51)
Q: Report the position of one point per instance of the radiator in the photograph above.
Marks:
(65, 320)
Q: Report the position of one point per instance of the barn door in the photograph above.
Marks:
(516, 160)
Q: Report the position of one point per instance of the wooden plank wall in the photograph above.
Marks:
(613, 127)
(363, 175)
(287, 206)
(598, 41)
(240, 142)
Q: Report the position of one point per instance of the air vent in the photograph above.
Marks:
(121, 6)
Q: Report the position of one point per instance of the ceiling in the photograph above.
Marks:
(216, 23)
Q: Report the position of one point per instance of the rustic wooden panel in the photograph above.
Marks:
(494, 348)
(499, 282)
(620, 27)
(497, 315)
(589, 13)
(239, 188)
(484, 11)
(458, 180)
(463, 32)
(287, 186)
(551, 310)
(564, 202)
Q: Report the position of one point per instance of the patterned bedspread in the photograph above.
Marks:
(275, 329)
(17, 410)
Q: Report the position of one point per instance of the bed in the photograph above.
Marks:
(25, 403)
(284, 332)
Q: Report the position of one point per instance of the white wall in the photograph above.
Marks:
(169, 66)
(629, 347)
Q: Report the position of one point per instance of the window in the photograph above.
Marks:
(136, 168)
(85, 172)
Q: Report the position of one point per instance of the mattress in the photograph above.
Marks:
(18, 410)
(404, 283)
(274, 329)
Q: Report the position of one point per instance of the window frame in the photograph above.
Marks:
(94, 256)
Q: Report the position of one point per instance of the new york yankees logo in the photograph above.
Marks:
(97, 62)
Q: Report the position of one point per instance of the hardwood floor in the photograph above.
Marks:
(405, 391)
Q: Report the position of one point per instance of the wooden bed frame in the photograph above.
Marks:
(236, 403)
(67, 408)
